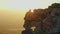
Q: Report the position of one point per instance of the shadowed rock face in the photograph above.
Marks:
(46, 21)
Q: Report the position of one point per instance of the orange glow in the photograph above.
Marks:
(31, 10)
(33, 27)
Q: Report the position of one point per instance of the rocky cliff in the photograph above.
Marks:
(46, 20)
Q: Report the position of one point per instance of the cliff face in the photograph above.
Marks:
(45, 20)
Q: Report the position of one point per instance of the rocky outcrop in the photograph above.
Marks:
(46, 20)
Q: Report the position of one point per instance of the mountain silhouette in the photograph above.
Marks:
(46, 21)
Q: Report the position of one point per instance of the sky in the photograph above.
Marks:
(12, 12)
(26, 4)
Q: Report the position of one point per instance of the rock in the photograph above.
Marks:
(46, 20)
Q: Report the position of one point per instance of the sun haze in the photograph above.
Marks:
(12, 13)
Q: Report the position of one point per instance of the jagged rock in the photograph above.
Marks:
(46, 21)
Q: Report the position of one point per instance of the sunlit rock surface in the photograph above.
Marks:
(46, 20)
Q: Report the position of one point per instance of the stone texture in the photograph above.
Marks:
(46, 20)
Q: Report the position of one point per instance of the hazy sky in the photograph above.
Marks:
(26, 4)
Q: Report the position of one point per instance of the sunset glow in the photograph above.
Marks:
(12, 13)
